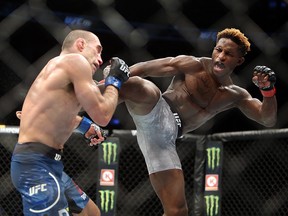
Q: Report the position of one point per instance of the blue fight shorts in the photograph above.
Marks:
(37, 173)
(77, 199)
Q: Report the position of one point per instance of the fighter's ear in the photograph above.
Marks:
(240, 61)
(80, 44)
(18, 114)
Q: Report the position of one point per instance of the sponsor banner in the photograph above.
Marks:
(108, 156)
(107, 177)
(213, 174)
(9, 129)
(211, 182)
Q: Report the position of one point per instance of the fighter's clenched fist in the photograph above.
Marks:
(118, 74)
(265, 79)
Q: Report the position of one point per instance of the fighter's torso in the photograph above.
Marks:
(49, 110)
(198, 97)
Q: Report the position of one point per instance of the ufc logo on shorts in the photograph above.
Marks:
(57, 157)
(178, 120)
(35, 189)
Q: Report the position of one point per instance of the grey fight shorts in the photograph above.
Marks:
(156, 136)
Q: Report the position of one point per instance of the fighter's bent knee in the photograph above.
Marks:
(136, 86)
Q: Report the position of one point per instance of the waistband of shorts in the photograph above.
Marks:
(33, 147)
(176, 116)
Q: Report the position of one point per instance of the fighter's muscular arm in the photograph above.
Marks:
(94, 133)
(78, 118)
(264, 112)
(99, 107)
(169, 66)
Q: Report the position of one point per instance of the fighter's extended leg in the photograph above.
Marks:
(140, 95)
(169, 185)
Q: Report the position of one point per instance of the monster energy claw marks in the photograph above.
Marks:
(107, 200)
(213, 157)
(109, 152)
(212, 205)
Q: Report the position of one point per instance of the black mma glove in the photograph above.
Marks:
(261, 76)
(118, 74)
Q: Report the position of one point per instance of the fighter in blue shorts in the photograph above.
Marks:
(62, 89)
(77, 199)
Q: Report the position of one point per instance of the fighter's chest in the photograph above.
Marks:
(202, 89)
(211, 96)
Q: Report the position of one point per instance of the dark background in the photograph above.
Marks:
(31, 32)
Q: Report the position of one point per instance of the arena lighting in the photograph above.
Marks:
(277, 4)
(77, 21)
(114, 122)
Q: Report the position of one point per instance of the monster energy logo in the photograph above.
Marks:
(109, 152)
(107, 200)
(213, 156)
(212, 205)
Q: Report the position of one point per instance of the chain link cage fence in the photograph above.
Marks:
(254, 180)
(254, 173)
(31, 32)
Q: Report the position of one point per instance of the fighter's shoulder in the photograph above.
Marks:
(204, 60)
(189, 58)
(72, 63)
(188, 61)
(240, 91)
(73, 58)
